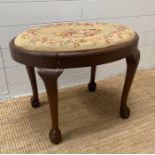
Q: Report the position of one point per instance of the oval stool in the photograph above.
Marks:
(55, 47)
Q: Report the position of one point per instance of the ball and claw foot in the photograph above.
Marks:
(34, 102)
(124, 112)
(55, 136)
(92, 86)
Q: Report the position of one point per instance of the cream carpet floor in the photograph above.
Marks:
(89, 122)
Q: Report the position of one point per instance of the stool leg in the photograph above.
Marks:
(92, 84)
(32, 77)
(132, 63)
(50, 77)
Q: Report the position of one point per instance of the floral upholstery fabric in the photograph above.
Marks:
(74, 36)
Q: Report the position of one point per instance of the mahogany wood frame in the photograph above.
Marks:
(51, 64)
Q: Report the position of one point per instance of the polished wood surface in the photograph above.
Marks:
(51, 65)
(50, 77)
(132, 63)
(92, 84)
(32, 77)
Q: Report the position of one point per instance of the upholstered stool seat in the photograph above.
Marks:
(55, 47)
(76, 36)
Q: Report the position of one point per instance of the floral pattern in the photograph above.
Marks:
(74, 36)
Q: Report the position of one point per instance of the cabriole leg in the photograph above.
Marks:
(132, 63)
(34, 99)
(92, 84)
(50, 77)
